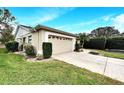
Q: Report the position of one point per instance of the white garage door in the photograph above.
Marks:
(60, 44)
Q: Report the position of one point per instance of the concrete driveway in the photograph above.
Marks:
(95, 63)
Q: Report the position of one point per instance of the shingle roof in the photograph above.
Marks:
(26, 26)
(54, 30)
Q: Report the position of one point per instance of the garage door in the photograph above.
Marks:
(60, 44)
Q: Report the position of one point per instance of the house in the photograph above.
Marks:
(61, 41)
(1, 27)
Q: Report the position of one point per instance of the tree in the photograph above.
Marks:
(6, 29)
(6, 35)
(5, 16)
(104, 32)
(37, 26)
(83, 37)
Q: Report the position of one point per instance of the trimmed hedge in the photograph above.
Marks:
(111, 43)
(47, 49)
(115, 43)
(12, 46)
(95, 43)
(30, 50)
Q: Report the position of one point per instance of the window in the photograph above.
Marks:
(53, 37)
(29, 39)
(57, 37)
(60, 38)
(49, 37)
(24, 39)
(70, 38)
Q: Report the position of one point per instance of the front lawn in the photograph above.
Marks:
(111, 54)
(15, 70)
(3, 50)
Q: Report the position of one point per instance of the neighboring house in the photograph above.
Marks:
(1, 27)
(61, 41)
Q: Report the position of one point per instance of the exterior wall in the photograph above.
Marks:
(59, 46)
(20, 40)
(37, 39)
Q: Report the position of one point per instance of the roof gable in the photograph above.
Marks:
(22, 30)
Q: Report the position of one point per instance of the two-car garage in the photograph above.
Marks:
(60, 44)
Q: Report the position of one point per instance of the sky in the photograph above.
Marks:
(70, 19)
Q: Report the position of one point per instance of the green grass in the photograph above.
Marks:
(3, 50)
(111, 54)
(15, 70)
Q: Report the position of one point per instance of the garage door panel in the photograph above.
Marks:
(60, 46)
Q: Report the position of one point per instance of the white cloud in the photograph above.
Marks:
(45, 18)
(77, 27)
(106, 18)
(45, 15)
(53, 13)
(82, 24)
(118, 22)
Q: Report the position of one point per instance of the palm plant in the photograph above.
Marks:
(83, 37)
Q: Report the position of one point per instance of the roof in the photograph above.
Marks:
(26, 26)
(54, 30)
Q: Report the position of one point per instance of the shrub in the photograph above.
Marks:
(77, 47)
(47, 49)
(30, 50)
(111, 43)
(39, 57)
(12, 46)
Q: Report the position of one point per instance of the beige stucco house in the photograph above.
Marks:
(61, 41)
